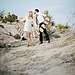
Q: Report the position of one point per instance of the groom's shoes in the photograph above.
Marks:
(48, 41)
(23, 38)
(40, 42)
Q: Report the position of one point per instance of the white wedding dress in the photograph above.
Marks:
(28, 24)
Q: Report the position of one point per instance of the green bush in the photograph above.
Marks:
(17, 36)
(9, 18)
(44, 37)
(66, 27)
(4, 21)
(49, 33)
(59, 26)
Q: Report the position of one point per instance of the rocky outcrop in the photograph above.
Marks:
(55, 58)
(6, 38)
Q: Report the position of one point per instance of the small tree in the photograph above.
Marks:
(13, 17)
(10, 18)
(4, 20)
(59, 26)
(71, 19)
(50, 16)
(1, 14)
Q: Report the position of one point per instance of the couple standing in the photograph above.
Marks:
(28, 26)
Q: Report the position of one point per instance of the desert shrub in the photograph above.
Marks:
(66, 27)
(1, 14)
(17, 36)
(10, 18)
(4, 21)
(59, 26)
(44, 37)
(49, 33)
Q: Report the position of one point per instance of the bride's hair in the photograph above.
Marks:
(30, 15)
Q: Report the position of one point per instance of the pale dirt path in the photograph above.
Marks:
(55, 58)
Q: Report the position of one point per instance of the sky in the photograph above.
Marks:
(60, 9)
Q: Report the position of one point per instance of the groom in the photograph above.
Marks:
(42, 26)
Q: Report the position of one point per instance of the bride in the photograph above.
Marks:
(28, 27)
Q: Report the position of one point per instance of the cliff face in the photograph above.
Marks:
(6, 37)
(55, 58)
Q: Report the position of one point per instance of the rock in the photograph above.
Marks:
(7, 28)
(8, 41)
(55, 58)
(2, 26)
(2, 45)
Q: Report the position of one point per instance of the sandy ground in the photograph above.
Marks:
(55, 58)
